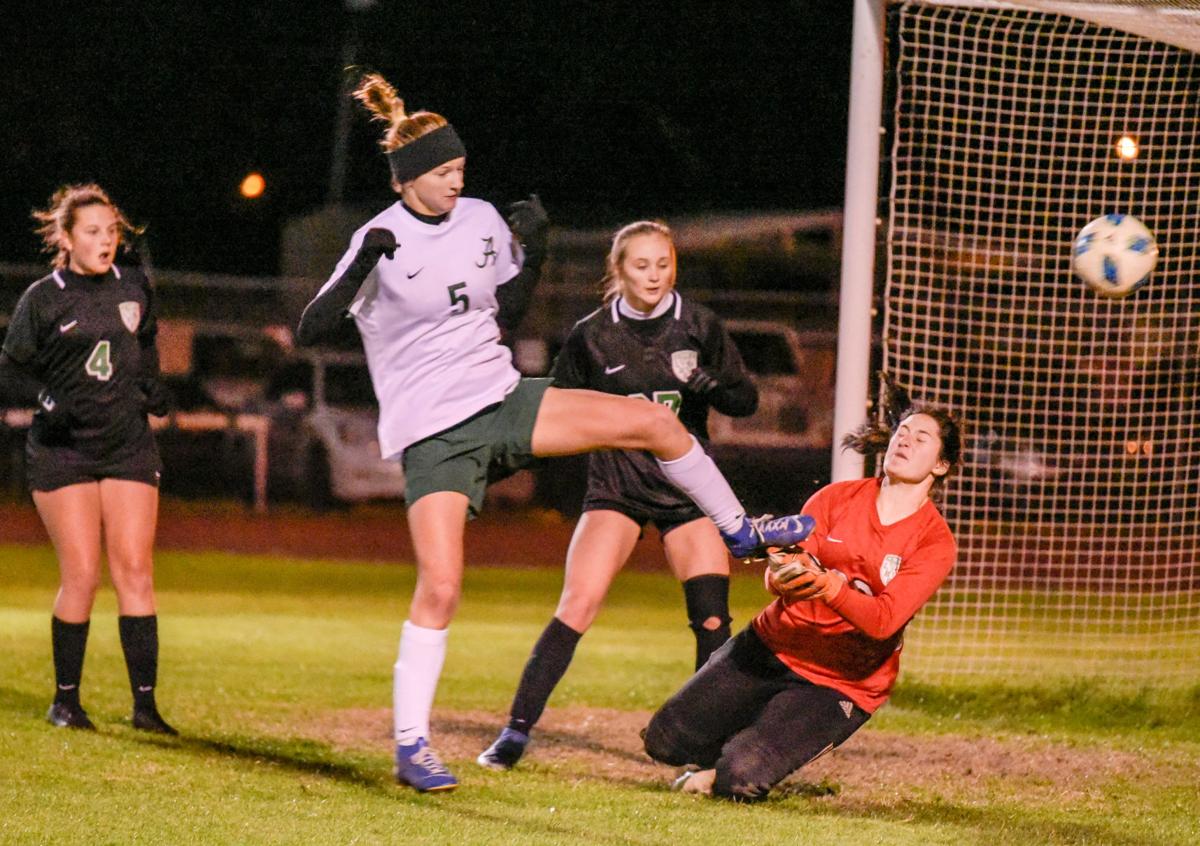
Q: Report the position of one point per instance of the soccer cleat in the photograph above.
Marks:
(148, 719)
(505, 751)
(757, 533)
(418, 766)
(69, 716)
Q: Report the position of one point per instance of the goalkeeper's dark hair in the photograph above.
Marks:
(872, 438)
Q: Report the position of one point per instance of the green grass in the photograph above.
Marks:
(259, 651)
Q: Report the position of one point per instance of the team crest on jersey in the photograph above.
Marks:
(889, 568)
(489, 252)
(683, 362)
(131, 314)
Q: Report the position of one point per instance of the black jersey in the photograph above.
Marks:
(90, 340)
(607, 351)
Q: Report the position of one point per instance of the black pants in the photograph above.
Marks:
(751, 718)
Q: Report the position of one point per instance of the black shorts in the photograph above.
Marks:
(631, 483)
(50, 467)
(663, 519)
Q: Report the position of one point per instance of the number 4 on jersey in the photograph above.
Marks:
(99, 362)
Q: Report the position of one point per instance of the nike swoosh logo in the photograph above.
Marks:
(414, 273)
(832, 539)
(608, 371)
(67, 327)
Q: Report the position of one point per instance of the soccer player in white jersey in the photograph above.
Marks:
(430, 283)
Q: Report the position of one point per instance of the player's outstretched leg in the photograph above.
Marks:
(418, 766)
(505, 750)
(755, 534)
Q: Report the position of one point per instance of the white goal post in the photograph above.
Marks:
(1077, 507)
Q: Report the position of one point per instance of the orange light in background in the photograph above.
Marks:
(1148, 447)
(252, 186)
(1127, 147)
(1131, 447)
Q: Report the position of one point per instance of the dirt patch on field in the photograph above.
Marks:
(878, 766)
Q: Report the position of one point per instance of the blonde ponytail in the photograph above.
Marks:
(380, 99)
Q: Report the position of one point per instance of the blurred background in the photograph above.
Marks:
(608, 110)
(225, 129)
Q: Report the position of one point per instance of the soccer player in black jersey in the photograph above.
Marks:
(86, 333)
(646, 341)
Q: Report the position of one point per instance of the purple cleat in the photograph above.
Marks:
(418, 766)
(757, 533)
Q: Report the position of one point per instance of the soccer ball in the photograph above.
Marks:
(1114, 254)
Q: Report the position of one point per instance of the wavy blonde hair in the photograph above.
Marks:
(57, 219)
(610, 284)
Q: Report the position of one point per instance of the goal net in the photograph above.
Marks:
(1077, 507)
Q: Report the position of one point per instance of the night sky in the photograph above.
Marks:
(610, 111)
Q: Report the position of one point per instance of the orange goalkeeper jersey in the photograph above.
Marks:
(853, 643)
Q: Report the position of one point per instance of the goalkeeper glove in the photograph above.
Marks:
(798, 576)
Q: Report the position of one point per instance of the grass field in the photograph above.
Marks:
(278, 673)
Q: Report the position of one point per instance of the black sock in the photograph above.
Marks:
(549, 660)
(707, 597)
(139, 641)
(68, 642)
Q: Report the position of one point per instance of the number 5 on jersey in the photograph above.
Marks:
(457, 299)
(99, 362)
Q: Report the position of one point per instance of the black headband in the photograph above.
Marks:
(427, 152)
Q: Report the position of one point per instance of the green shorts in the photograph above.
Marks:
(494, 443)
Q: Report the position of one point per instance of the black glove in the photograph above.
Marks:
(158, 397)
(55, 414)
(323, 316)
(528, 219)
(702, 381)
(377, 242)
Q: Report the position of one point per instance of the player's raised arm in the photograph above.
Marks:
(328, 308)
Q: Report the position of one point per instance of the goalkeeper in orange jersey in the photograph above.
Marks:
(818, 661)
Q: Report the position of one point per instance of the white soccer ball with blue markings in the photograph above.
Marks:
(1114, 254)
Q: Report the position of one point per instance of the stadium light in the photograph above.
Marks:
(252, 186)
(1127, 147)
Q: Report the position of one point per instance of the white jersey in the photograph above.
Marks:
(428, 319)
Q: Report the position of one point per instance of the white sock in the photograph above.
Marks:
(697, 475)
(415, 678)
